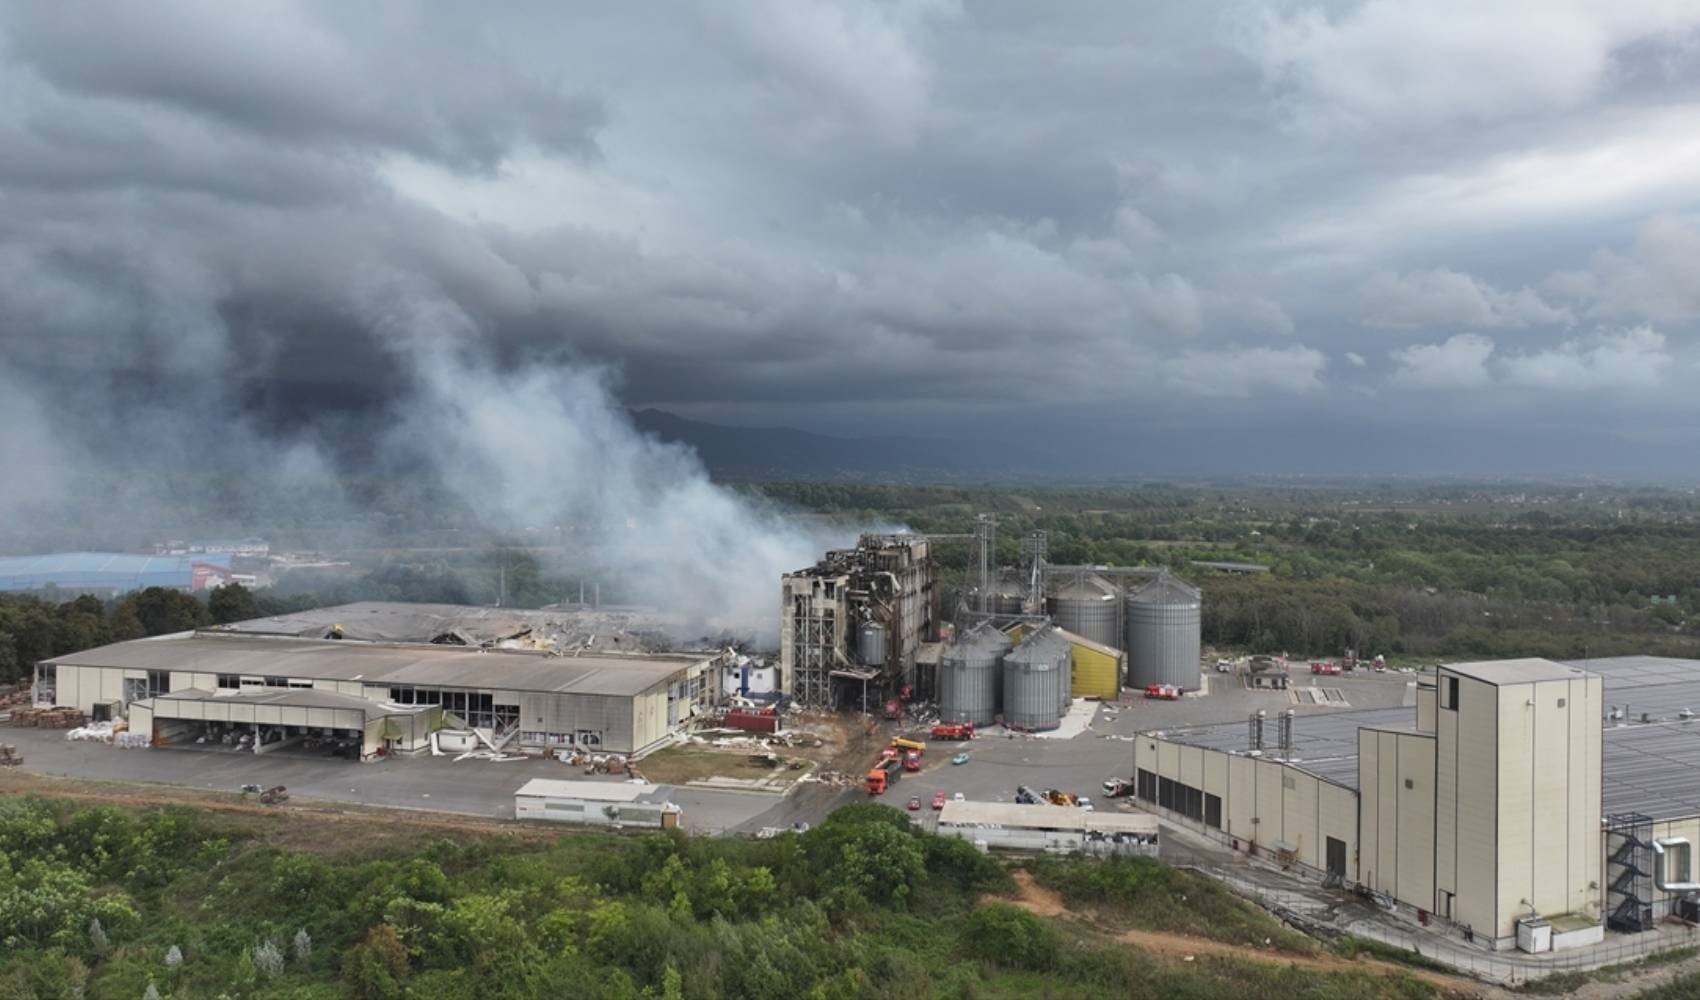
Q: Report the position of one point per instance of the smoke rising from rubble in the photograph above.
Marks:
(548, 446)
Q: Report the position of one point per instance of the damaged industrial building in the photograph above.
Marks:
(369, 680)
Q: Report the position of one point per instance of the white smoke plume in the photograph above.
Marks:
(548, 446)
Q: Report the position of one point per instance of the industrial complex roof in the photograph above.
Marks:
(1650, 762)
(617, 629)
(103, 570)
(373, 663)
(1524, 671)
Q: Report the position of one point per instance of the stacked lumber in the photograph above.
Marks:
(47, 718)
(10, 697)
(9, 756)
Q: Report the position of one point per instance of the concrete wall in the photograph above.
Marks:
(1054, 841)
(1263, 801)
(1396, 789)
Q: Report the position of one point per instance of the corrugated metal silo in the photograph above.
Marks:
(1035, 681)
(1088, 607)
(1163, 634)
(970, 675)
(870, 644)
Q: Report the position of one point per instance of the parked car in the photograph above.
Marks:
(957, 798)
(961, 758)
(914, 803)
(1224, 666)
(938, 800)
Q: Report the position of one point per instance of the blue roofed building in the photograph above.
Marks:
(109, 573)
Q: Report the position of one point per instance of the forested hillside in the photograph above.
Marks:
(111, 904)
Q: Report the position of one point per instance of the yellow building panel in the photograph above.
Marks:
(1370, 869)
(1415, 792)
(1095, 674)
(1216, 774)
(1240, 804)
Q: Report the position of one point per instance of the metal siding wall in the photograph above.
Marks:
(1370, 870)
(111, 686)
(1477, 806)
(1388, 785)
(1268, 814)
(1445, 806)
(1298, 818)
(1515, 849)
(1426, 708)
(1096, 675)
(1216, 775)
(67, 683)
(1192, 766)
(1240, 804)
(1416, 819)
(141, 720)
(1337, 811)
(1586, 813)
(1549, 884)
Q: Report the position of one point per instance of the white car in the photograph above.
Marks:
(1224, 666)
(958, 798)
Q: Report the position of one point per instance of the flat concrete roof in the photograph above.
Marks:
(592, 791)
(1650, 754)
(1530, 670)
(382, 664)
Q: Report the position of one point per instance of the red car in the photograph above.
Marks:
(914, 803)
(938, 800)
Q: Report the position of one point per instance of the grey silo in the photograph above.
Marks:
(1090, 608)
(1035, 681)
(1163, 634)
(870, 644)
(971, 675)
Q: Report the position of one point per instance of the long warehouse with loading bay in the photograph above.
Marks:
(372, 699)
(1530, 802)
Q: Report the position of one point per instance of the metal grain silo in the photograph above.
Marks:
(870, 644)
(1088, 606)
(970, 675)
(1163, 634)
(1006, 597)
(1035, 681)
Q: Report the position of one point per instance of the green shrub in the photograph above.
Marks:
(1009, 936)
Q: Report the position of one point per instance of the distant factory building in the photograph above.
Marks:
(381, 698)
(109, 574)
(857, 618)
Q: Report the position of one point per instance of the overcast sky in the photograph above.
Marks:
(1415, 217)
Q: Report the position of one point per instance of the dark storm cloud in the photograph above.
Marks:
(901, 211)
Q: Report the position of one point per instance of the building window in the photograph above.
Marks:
(159, 682)
(229, 682)
(299, 683)
(1561, 703)
(1213, 811)
(1449, 693)
(1409, 783)
(277, 682)
(1287, 781)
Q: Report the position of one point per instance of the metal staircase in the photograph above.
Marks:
(1629, 872)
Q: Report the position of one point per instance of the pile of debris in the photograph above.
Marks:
(15, 695)
(47, 718)
(97, 732)
(9, 756)
(132, 741)
(599, 763)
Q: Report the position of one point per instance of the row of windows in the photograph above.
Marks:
(1193, 803)
(232, 682)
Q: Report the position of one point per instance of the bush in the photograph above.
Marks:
(1009, 936)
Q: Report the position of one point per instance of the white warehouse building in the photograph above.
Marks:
(1551, 799)
(380, 698)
